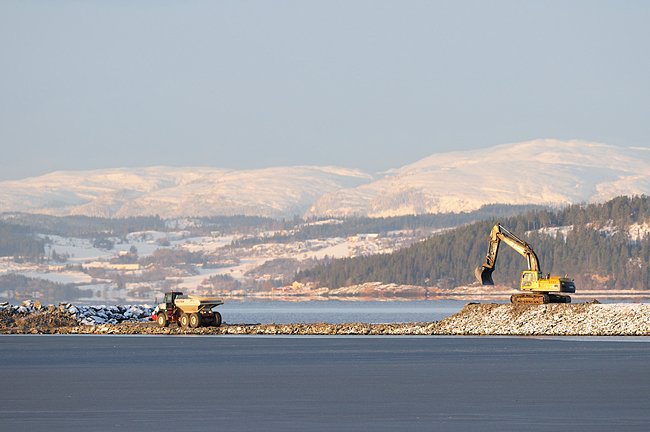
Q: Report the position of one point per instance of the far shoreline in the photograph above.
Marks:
(500, 297)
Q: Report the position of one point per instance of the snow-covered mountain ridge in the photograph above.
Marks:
(545, 172)
(548, 171)
(176, 192)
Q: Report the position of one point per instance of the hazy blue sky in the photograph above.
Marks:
(366, 84)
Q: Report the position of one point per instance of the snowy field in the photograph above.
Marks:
(111, 277)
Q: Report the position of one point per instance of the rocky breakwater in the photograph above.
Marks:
(33, 317)
(581, 319)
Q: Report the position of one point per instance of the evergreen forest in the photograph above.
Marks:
(589, 243)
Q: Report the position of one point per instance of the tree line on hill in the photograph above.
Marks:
(24, 235)
(20, 241)
(596, 251)
(18, 287)
(310, 229)
(83, 226)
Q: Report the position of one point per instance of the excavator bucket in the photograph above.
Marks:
(484, 275)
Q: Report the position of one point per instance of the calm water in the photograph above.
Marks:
(189, 383)
(281, 312)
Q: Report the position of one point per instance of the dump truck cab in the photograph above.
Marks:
(169, 299)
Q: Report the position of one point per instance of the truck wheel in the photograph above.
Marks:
(195, 320)
(217, 319)
(161, 319)
(184, 320)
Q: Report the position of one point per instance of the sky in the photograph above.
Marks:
(372, 85)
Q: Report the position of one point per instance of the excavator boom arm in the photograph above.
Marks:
(497, 235)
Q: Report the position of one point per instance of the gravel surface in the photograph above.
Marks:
(582, 319)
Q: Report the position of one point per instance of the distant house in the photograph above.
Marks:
(110, 266)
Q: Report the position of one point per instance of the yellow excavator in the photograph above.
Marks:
(539, 289)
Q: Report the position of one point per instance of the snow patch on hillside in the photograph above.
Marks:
(555, 231)
(639, 231)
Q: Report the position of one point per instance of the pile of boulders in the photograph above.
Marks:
(31, 317)
(93, 315)
(32, 314)
(580, 319)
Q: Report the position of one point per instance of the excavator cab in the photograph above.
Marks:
(530, 280)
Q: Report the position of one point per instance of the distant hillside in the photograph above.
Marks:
(540, 172)
(345, 227)
(600, 245)
(176, 192)
(543, 172)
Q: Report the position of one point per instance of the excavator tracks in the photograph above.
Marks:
(539, 298)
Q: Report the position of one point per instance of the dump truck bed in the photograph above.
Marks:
(191, 304)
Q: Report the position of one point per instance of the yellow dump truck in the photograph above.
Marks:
(187, 311)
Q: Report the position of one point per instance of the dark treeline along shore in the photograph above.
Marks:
(590, 243)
